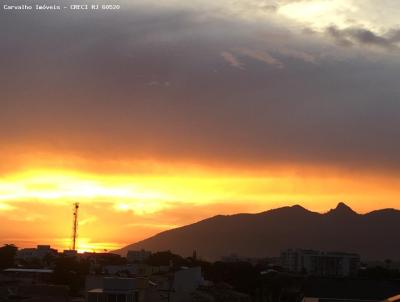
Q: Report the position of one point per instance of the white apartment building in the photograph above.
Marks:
(318, 263)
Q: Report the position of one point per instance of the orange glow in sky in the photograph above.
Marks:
(122, 208)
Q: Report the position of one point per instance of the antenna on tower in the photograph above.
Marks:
(75, 226)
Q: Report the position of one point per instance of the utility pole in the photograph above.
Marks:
(75, 226)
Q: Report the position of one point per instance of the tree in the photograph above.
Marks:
(7, 256)
(71, 271)
(167, 258)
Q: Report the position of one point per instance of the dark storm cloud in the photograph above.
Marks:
(365, 37)
(166, 84)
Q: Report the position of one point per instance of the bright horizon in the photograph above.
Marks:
(118, 209)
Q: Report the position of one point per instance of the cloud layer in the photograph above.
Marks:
(184, 83)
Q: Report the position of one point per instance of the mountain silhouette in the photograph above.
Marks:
(372, 235)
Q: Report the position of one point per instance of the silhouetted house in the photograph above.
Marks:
(120, 270)
(138, 256)
(22, 275)
(134, 270)
(187, 280)
(103, 258)
(70, 253)
(41, 255)
(317, 263)
(114, 289)
(31, 285)
(98, 261)
(175, 286)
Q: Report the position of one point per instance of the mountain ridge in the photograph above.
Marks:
(267, 233)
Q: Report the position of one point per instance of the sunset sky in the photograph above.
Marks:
(168, 112)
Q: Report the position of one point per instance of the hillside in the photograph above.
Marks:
(373, 235)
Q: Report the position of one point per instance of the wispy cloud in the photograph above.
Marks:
(297, 54)
(153, 225)
(232, 59)
(259, 55)
(364, 37)
(88, 220)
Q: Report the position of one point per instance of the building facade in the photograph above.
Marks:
(114, 289)
(138, 256)
(39, 255)
(318, 263)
